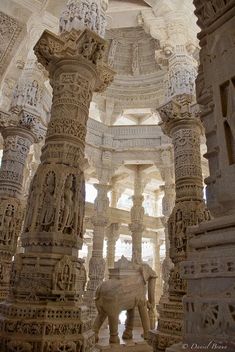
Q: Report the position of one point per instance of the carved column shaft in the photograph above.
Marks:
(17, 141)
(137, 217)
(168, 202)
(180, 123)
(157, 269)
(97, 262)
(209, 304)
(112, 237)
(19, 132)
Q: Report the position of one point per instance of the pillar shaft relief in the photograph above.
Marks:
(168, 202)
(50, 271)
(157, 269)
(100, 222)
(19, 132)
(112, 237)
(20, 128)
(137, 217)
(97, 262)
(209, 304)
(184, 128)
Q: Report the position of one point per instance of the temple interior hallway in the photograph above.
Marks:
(117, 175)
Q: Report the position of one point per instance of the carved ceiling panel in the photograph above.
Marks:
(10, 30)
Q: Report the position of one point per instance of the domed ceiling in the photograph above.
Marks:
(139, 80)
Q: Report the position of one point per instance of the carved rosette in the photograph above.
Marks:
(49, 271)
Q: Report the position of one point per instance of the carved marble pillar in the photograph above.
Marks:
(209, 305)
(157, 268)
(137, 216)
(112, 237)
(115, 195)
(100, 222)
(184, 128)
(19, 132)
(48, 279)
(88, 243)
(168, 202)
(182, 72)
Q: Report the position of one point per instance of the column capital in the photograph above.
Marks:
(85, 47)
(23, 123)
(179, 113)
(112, 231)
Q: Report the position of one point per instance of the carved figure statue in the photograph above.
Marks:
(68, 211)
(32, 93)
(126, 293)
(93, 16)
(7, 225)
(48, 210)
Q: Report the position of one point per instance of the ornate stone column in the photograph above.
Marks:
(19, 132)
(112, 237)
(180, 123)
(100, 222)
(209, 305)
(115, 195)
(20, 127)
(48, 279)
(157, 268)
(137, 216)
(166, 169)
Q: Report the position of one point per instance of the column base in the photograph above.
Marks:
(48, 327)
(169, 327)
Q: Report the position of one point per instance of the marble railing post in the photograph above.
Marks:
(48, 279)
(137, 216)
(19, 132)
(112, 237)
(209, 305)
(185, 129)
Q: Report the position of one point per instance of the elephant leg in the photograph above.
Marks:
(127, 333)
(100, 318)
(113, 328)
(142, 307)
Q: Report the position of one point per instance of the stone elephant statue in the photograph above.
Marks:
(125, 290)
